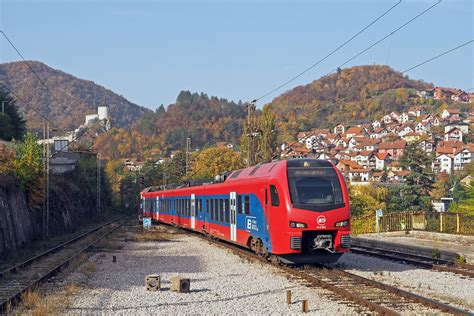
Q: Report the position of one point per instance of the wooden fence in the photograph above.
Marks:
(449, 223)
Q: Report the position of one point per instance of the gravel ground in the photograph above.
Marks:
(447, 287)
(221, 283)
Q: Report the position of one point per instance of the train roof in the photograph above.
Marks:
(263, 170)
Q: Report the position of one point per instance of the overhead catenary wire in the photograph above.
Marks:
(438, 56)
(385, 37)
(328, 55)
(40, 114)
(31, 107)
(29, 66)
(38, 77)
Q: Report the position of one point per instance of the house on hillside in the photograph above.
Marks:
(464, 127)
(454, 133)
(387, 119)
(403, 118)
(376, 124)
(359, 175)
(224, 145)
(395, 148)
(339, 129)
(461, 158)
(447, 113)
(405, 129)
(356, 132)
(422, 127)
(443, 163)
(411, 137)
(416, 111)
(427, 146)
(425, 94)
(379, 161)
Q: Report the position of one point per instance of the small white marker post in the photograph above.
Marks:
(378, 215)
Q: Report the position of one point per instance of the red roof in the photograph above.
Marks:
(401, 173)
(382, 156)
(355, 130)
(398, 144)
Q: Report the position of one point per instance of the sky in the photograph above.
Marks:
(150, 50)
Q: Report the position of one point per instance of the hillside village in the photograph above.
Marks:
(371, 151)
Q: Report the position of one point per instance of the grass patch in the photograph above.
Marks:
(155, 234)
(460, 259)
(33, 302)
(88, 268)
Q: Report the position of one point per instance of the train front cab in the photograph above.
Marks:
(313, 210)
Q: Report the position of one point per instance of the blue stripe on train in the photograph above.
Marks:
(256, 223)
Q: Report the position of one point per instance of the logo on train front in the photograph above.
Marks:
(321, 220)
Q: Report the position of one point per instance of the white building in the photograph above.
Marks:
(443, 163)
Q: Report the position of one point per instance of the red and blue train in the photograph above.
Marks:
(294, 210)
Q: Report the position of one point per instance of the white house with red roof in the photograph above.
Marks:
(450, 113)
(454, 133)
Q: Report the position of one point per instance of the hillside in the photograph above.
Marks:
(206, 120)
(77, 97)
(350, 95)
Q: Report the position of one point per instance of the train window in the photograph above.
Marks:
(315, 188)
(227, 210)
(216, 209)
(266, 197)
(221, 210)
(212, 209)
(239, 204)
(207, 206)
(274, 196)
(188, 207)
(247, 205)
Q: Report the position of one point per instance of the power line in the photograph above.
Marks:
(29, 66)
(438, 56)
(386, 36)
(44, 117)
(328, 55)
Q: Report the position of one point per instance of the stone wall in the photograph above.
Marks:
(17, 222)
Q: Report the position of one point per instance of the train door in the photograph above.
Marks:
(233, 216)
(266, 205)
(193, 211)
(157, 208)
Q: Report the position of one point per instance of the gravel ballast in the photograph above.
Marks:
(221, 282)
(447, 287)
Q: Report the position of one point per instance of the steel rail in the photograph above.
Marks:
(417, 260)
(13, 298)
(358, 298)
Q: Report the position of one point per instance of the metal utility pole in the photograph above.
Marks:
(249, 114)
(188, 148)
(44, 176)
(98, 182)
(48, 153)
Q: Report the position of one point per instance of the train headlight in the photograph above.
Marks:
(342, 223)
(298, 225)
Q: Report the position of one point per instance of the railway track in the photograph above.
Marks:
(417, 260)
(367, 294)
(25, 275)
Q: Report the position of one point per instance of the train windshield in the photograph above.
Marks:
(315, 188)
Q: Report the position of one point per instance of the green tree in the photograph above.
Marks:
(175, 169)
(28, 168)
(268, 140)
(415, 192)
(466, 204)
(12, 124)
(213, 161)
